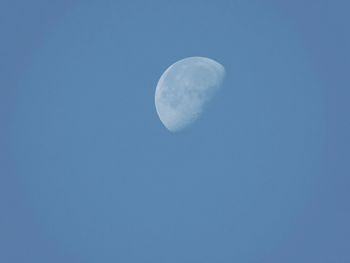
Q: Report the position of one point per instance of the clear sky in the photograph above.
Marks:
(88, 173)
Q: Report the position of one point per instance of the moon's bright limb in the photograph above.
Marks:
(185, 88)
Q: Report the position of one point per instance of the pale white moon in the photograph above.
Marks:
(185, 88)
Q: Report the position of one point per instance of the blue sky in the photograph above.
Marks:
(89, 174)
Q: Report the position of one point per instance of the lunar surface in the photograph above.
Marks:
(184, 90)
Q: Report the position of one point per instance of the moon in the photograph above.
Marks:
(185, 88)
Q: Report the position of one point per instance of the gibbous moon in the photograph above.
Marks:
(185, 88)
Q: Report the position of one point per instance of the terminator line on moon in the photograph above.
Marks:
(185, 88)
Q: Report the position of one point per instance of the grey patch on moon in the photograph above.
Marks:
(185, 88)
